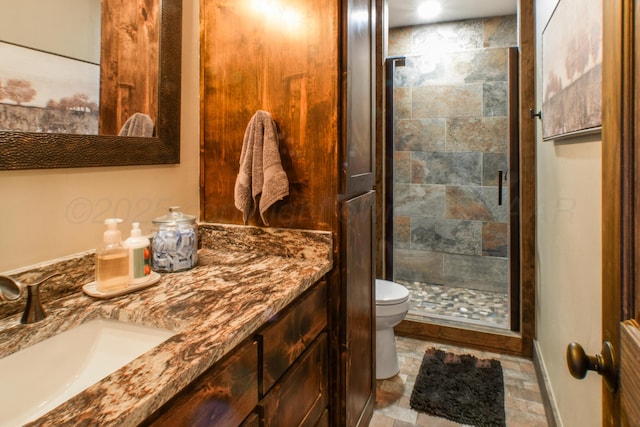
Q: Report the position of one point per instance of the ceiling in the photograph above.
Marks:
(403, 12)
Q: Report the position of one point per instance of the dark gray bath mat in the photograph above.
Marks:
(461, 388)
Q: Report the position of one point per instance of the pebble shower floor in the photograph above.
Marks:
(484, 308)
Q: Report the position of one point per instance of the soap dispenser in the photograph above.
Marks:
(139, 255)
(112, 260)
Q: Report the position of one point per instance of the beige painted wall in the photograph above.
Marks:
(47, 214)
(569, 266)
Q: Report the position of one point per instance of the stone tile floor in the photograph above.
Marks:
(483, 308)
(523, 402)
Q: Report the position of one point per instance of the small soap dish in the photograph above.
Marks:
(91, 290)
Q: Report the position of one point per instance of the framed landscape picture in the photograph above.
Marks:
(572, 70)
(44, 92)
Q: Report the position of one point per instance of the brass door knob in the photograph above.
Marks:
(604, 363)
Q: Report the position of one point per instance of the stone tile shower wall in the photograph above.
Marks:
(451, 138)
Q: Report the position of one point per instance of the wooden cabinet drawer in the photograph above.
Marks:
(290, 333)
(224, 395)
(300, 397)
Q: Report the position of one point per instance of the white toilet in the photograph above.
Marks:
(392, 304)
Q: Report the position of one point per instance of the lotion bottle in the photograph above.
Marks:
(139, 255)
(112, 260)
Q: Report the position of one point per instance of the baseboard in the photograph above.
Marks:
(548, 400)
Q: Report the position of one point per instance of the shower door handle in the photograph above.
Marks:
(500, 188)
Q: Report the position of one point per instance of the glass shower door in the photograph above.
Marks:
(454, 175)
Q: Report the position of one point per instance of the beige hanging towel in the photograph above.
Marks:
(261, 170)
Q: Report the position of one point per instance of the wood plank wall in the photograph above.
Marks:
(281, 57)
(129, 66)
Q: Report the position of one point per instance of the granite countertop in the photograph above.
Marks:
(244, 276)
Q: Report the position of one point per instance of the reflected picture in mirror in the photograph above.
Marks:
(89, 84)
(42, 92)
(135, 50)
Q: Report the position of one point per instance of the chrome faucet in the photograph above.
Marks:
(11, 289)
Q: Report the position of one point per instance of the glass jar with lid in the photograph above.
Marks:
(174, 246)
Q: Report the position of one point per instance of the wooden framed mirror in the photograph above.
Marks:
(31, 150)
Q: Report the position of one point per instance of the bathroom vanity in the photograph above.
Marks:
(252, 380)
(250, 337)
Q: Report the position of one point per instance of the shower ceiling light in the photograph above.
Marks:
(429, 9)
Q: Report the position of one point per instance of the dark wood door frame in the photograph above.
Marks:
(619, 173)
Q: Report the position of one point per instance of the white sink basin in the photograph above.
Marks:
(40, 377)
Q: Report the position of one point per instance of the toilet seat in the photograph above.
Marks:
(390, 293)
